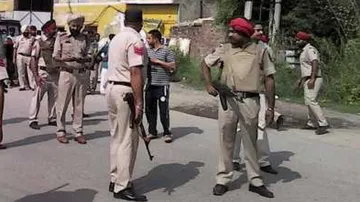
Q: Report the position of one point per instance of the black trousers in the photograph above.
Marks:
(157, 96)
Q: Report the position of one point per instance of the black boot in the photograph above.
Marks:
(262, 191)
(220, 190)
(34, 125)
(236, 166)
(129, 195)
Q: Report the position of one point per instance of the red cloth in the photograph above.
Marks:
(303, 36)
(242, 25)
(49, 27)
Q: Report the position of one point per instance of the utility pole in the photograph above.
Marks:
(277, 18)
(248, 9)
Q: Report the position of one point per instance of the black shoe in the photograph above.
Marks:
(220, 190)
(129, 195)
(84, 116)
(22, 89)
(307, 127)
(34, 125)
(269, 169)
(279, 122)
(52, 123)
(236, 166)
(111, 187)
(322, 130)
(262, 191)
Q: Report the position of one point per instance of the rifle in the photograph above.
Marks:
(224, 92)
(129, 98)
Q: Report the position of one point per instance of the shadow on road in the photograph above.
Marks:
(80, 195)
(285, 175)
(15, 120)
(46, 137)
(168, 177)
(179, 132)
(102, 113)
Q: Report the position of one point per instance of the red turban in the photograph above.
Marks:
(303, 36)
(242, 25)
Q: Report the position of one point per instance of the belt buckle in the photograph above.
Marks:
(240, 96)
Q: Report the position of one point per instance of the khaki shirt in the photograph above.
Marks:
(42, 51)
(309, 54)
(24, 45)
(68, 46)
(126, 50)
(243, 68)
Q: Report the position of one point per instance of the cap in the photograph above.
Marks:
(303, 36)
(242, 25)
(49, 25)
(133, 15)
(23, 28)
(79, 19)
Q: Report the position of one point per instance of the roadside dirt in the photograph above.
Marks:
(199, 103)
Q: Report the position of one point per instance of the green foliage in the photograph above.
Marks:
(188, 70)
(228, 9)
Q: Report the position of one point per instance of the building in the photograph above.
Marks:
(105, 16)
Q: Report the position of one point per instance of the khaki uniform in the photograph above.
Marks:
(23, 48)
(72, 80)
(262, 141)
(315, 112)
(242, 72)
(42, 51)
(126, 50)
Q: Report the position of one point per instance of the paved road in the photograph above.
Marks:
(36, 168)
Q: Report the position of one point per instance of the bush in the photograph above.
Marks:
(189, 70)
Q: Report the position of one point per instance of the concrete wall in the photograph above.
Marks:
(204, 38)
(190, 9)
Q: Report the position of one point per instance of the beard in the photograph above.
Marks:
(74, 32)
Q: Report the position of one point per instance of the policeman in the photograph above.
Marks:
(262, 141)
(244, 64)
(3, 76)
(312, 82)
(46, 75)
(72, 51)
(127, 55)
(22, 56)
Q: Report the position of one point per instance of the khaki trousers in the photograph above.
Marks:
(51, 88)
(315, 114)
(246, 114)
(94, 75)
(26, 78)
(124, 140)
(71, 86)
(262, 140)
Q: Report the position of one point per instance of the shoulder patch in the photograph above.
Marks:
(139, 49)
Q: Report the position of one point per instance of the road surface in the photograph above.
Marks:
(36, 168)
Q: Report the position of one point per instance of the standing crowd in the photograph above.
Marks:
(65, 66)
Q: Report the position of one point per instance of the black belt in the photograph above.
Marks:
(121, 83)
(309, 77)
(82, 70)
(24, 54)
(246, 94)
